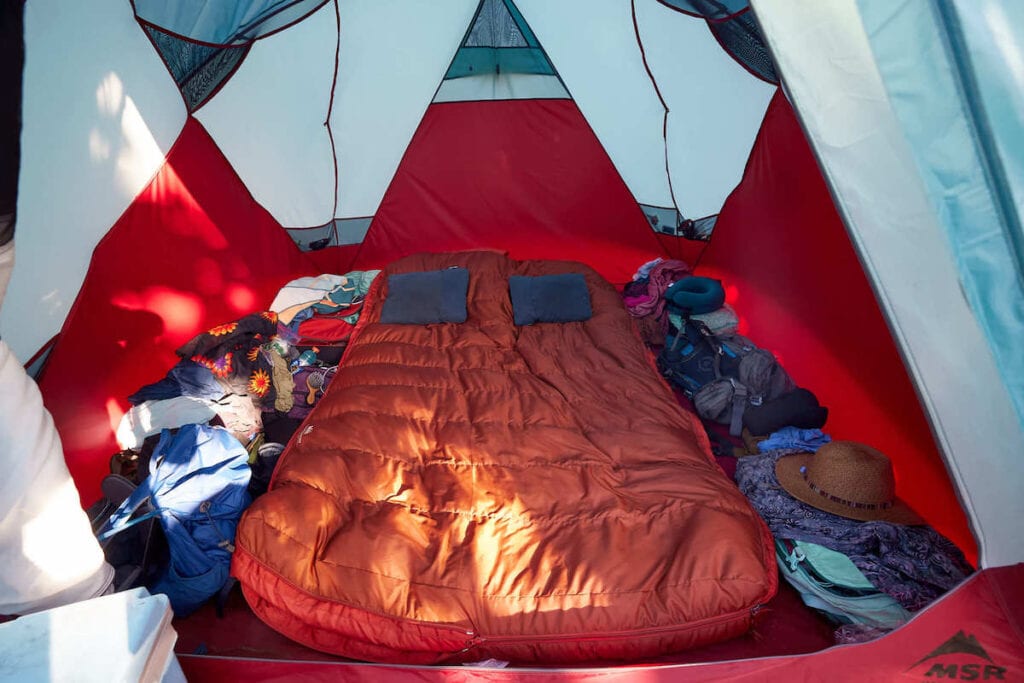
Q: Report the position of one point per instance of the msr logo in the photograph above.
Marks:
(955, 662)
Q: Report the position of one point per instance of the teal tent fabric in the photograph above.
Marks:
(217, 22)
(952, 73)
(499, 41)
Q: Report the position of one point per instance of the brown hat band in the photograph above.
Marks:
(843, 501)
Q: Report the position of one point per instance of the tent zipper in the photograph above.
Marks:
(611, 635)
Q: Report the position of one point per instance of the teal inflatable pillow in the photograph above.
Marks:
(695, 295)
(549, 298)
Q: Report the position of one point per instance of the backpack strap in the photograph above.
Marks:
(122, 517)
(740, 391)
(223, 594)
(716, 345)
(739, 404)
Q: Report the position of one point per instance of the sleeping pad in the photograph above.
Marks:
(481, 490)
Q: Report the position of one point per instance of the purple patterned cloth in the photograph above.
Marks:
(913, 564)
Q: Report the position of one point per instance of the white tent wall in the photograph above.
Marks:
(593, 47)
(99, 113)
(501, 87)
(268, 120)
(826, 62)
(408, 47)
(715, 107)
(393, 57)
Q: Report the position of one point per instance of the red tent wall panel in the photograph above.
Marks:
(793, 276)
(193, 250)
(525, 176)
(333, 259)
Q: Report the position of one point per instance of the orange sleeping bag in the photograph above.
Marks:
(482, 490)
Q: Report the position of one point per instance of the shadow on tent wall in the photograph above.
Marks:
(793, 276)
(193, 250)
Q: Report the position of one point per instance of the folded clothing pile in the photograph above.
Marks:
(844, 540)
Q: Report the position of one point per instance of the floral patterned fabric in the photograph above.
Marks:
(232, 353)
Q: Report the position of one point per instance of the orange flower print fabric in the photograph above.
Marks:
(221, 330)
(259, 383)
(231, 351)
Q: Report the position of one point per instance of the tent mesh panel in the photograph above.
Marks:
(712, 10)
(339, 232)
(499, 42)
(219, 22)
(314, 239)
(741, 38)
(668, 221)
(698, 229)
(495, 27)
(197, 69)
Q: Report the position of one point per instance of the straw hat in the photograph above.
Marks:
(848, 479)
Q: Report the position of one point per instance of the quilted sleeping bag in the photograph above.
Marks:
(484, 490)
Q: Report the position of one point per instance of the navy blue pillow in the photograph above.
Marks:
(432, 296)
(549, 298)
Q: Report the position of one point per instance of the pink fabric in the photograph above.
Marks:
(661, 277)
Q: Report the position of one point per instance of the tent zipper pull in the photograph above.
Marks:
(227, 545)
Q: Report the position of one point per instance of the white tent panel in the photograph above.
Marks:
(825, 58)
(593, 47)
(393, 57)
(501, 87)
(96, 127)
(715, 107)
(269, 121)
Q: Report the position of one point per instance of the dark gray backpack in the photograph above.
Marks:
(723, 374)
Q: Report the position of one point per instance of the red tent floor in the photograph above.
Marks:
(975, 632)
(784, 627)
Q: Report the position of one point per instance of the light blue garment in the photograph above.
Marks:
(644, 271)
(809, 440)
(829, 581)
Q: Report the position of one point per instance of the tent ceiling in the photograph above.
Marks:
(715, 107)
(268, 119)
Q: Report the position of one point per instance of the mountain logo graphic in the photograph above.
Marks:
(950, 664)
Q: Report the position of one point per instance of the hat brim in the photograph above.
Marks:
(787, 471)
